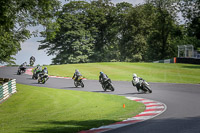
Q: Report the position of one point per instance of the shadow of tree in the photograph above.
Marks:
(68, 126)
(192, 67)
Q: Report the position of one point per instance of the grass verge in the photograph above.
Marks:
(121, 71)
(47, 110)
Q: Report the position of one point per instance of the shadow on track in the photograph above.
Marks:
(135, 93)
(98, 91)
(175, 125)
(71, 87)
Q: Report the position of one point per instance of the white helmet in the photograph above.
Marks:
(134, 75)
(76, 70)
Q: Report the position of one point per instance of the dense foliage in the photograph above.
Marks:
(100, 31)
(15, 17)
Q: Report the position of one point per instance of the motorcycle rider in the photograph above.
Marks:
(23, 66)
(45, 71)
(43, 74)
(37, 70)
(103, 77)
(136, 81)
(76, 75)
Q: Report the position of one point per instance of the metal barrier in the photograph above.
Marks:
(173, 60)
(7, 88)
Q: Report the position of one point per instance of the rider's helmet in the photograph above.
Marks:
(101, 73)
(134, 75)
(76, 70)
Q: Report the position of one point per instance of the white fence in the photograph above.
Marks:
(7, 88)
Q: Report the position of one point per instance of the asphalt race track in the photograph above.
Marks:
(182, 100)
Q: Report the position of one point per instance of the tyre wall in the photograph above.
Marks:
(7, 88)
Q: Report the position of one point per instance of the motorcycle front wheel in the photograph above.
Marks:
(111, 87)
(82, 85)
(43, 81)
(18, 73)
(148, 89)
(104, 88)
(75, 84)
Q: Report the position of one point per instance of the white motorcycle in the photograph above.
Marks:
(142, 86)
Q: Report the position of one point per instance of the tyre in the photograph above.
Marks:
(82, 85)
(132, 83)
(148, 89)
(75, 84)
(104, 88)
(18, 73)
(112, 88)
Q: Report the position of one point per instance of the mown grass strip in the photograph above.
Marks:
(121, 71)
(47, 110)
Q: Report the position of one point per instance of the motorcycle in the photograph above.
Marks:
(142, 86)
(21, 70)
(107, 85)
(79, 82)
(43, 78)
(36, 73)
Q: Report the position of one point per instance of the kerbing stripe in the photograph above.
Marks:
(153, 109)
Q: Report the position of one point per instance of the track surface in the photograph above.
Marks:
(182, 100)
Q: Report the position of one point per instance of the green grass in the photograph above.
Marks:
(120, 71)
(47, 110)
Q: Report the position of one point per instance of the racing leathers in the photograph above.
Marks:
(137, 83)
(76, 75)
(103, 77)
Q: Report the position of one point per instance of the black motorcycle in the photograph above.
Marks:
(107, 85)
(142, 86)
(43, 78)
(21, 70)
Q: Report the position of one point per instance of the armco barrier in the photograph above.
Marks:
(173, 60)
(7, 88)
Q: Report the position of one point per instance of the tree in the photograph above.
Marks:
(15, 17)
(67, 38)
(191, 12)
(165, 24)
